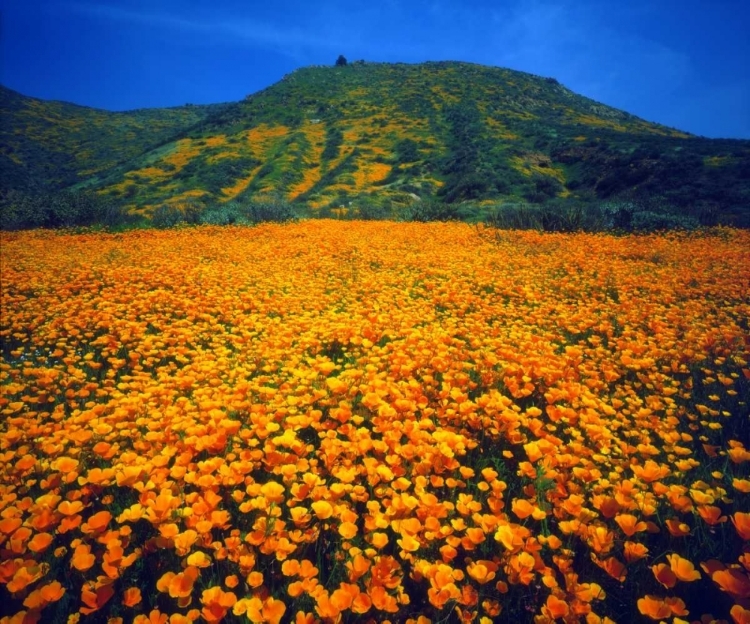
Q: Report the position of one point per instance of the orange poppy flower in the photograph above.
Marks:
(711, 514)
(482, 571)
(676, 605)
(741, 522)
(654, 607)
(23, 575)
(65, 464)
(96, 523)
(343, 597)
(95, 597)
(358, 567)
(40, 542)
(47, 594)
(664, 575)
(70, 508)
(522, 508)
(379, 540)
(650, 471)
(740, 615)
(184, 541)
(629, 524)
(82, 558)
(131, 597)
(273, 492)
(612, 566)
(683, 569)
(601, 539)
(677, 528)
(216, 602)
(269, 610)
(9, 525)
(154, 617)
(199, 559)
(509, 537)
(634, 551)
(290, 567)
(733, 581)
(255, 579)
(361, 604)
(307, 569)
(322, 509)
(555, 608)
(181, 584)
(162, 584)
(17, 541)
(348, 530)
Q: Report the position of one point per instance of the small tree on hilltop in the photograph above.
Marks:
(341, 61)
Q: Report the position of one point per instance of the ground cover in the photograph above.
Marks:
(374, 421)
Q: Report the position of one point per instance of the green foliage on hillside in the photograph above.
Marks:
(51, 145)
(384, 136)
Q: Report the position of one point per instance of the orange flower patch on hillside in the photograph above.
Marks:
(538, 164)
(190, 194)
(150, 172)
(598, 122)
(240, 185)
(263, 137)
(182, 153)
(215, 141)
(359, 180)
(500, 130)
(342, 420)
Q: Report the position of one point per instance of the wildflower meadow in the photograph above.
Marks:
(349, 421)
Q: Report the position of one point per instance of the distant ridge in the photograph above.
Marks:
(53, 144)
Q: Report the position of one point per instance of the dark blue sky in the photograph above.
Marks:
(683, 63)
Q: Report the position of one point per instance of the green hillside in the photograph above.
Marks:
(51, 145)
(390, 134)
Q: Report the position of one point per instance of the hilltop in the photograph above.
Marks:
(390, 134)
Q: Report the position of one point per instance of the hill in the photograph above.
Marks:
(390, 133)
(49, 145)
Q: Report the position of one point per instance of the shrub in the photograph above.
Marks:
(224, 214)
(630, 216)
(463, 187)
(112, 215)
(514, 216)
(430, 210)
(616, 215)
(271, 209)
(544, 188)
(19, 210)
(407, 151)
(65, 209)
(166, 216)
(371, 211)
(556, 216)
(648, 221)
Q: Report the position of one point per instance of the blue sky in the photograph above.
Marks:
(683, 63)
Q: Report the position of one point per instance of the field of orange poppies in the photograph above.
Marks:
(350, 421)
